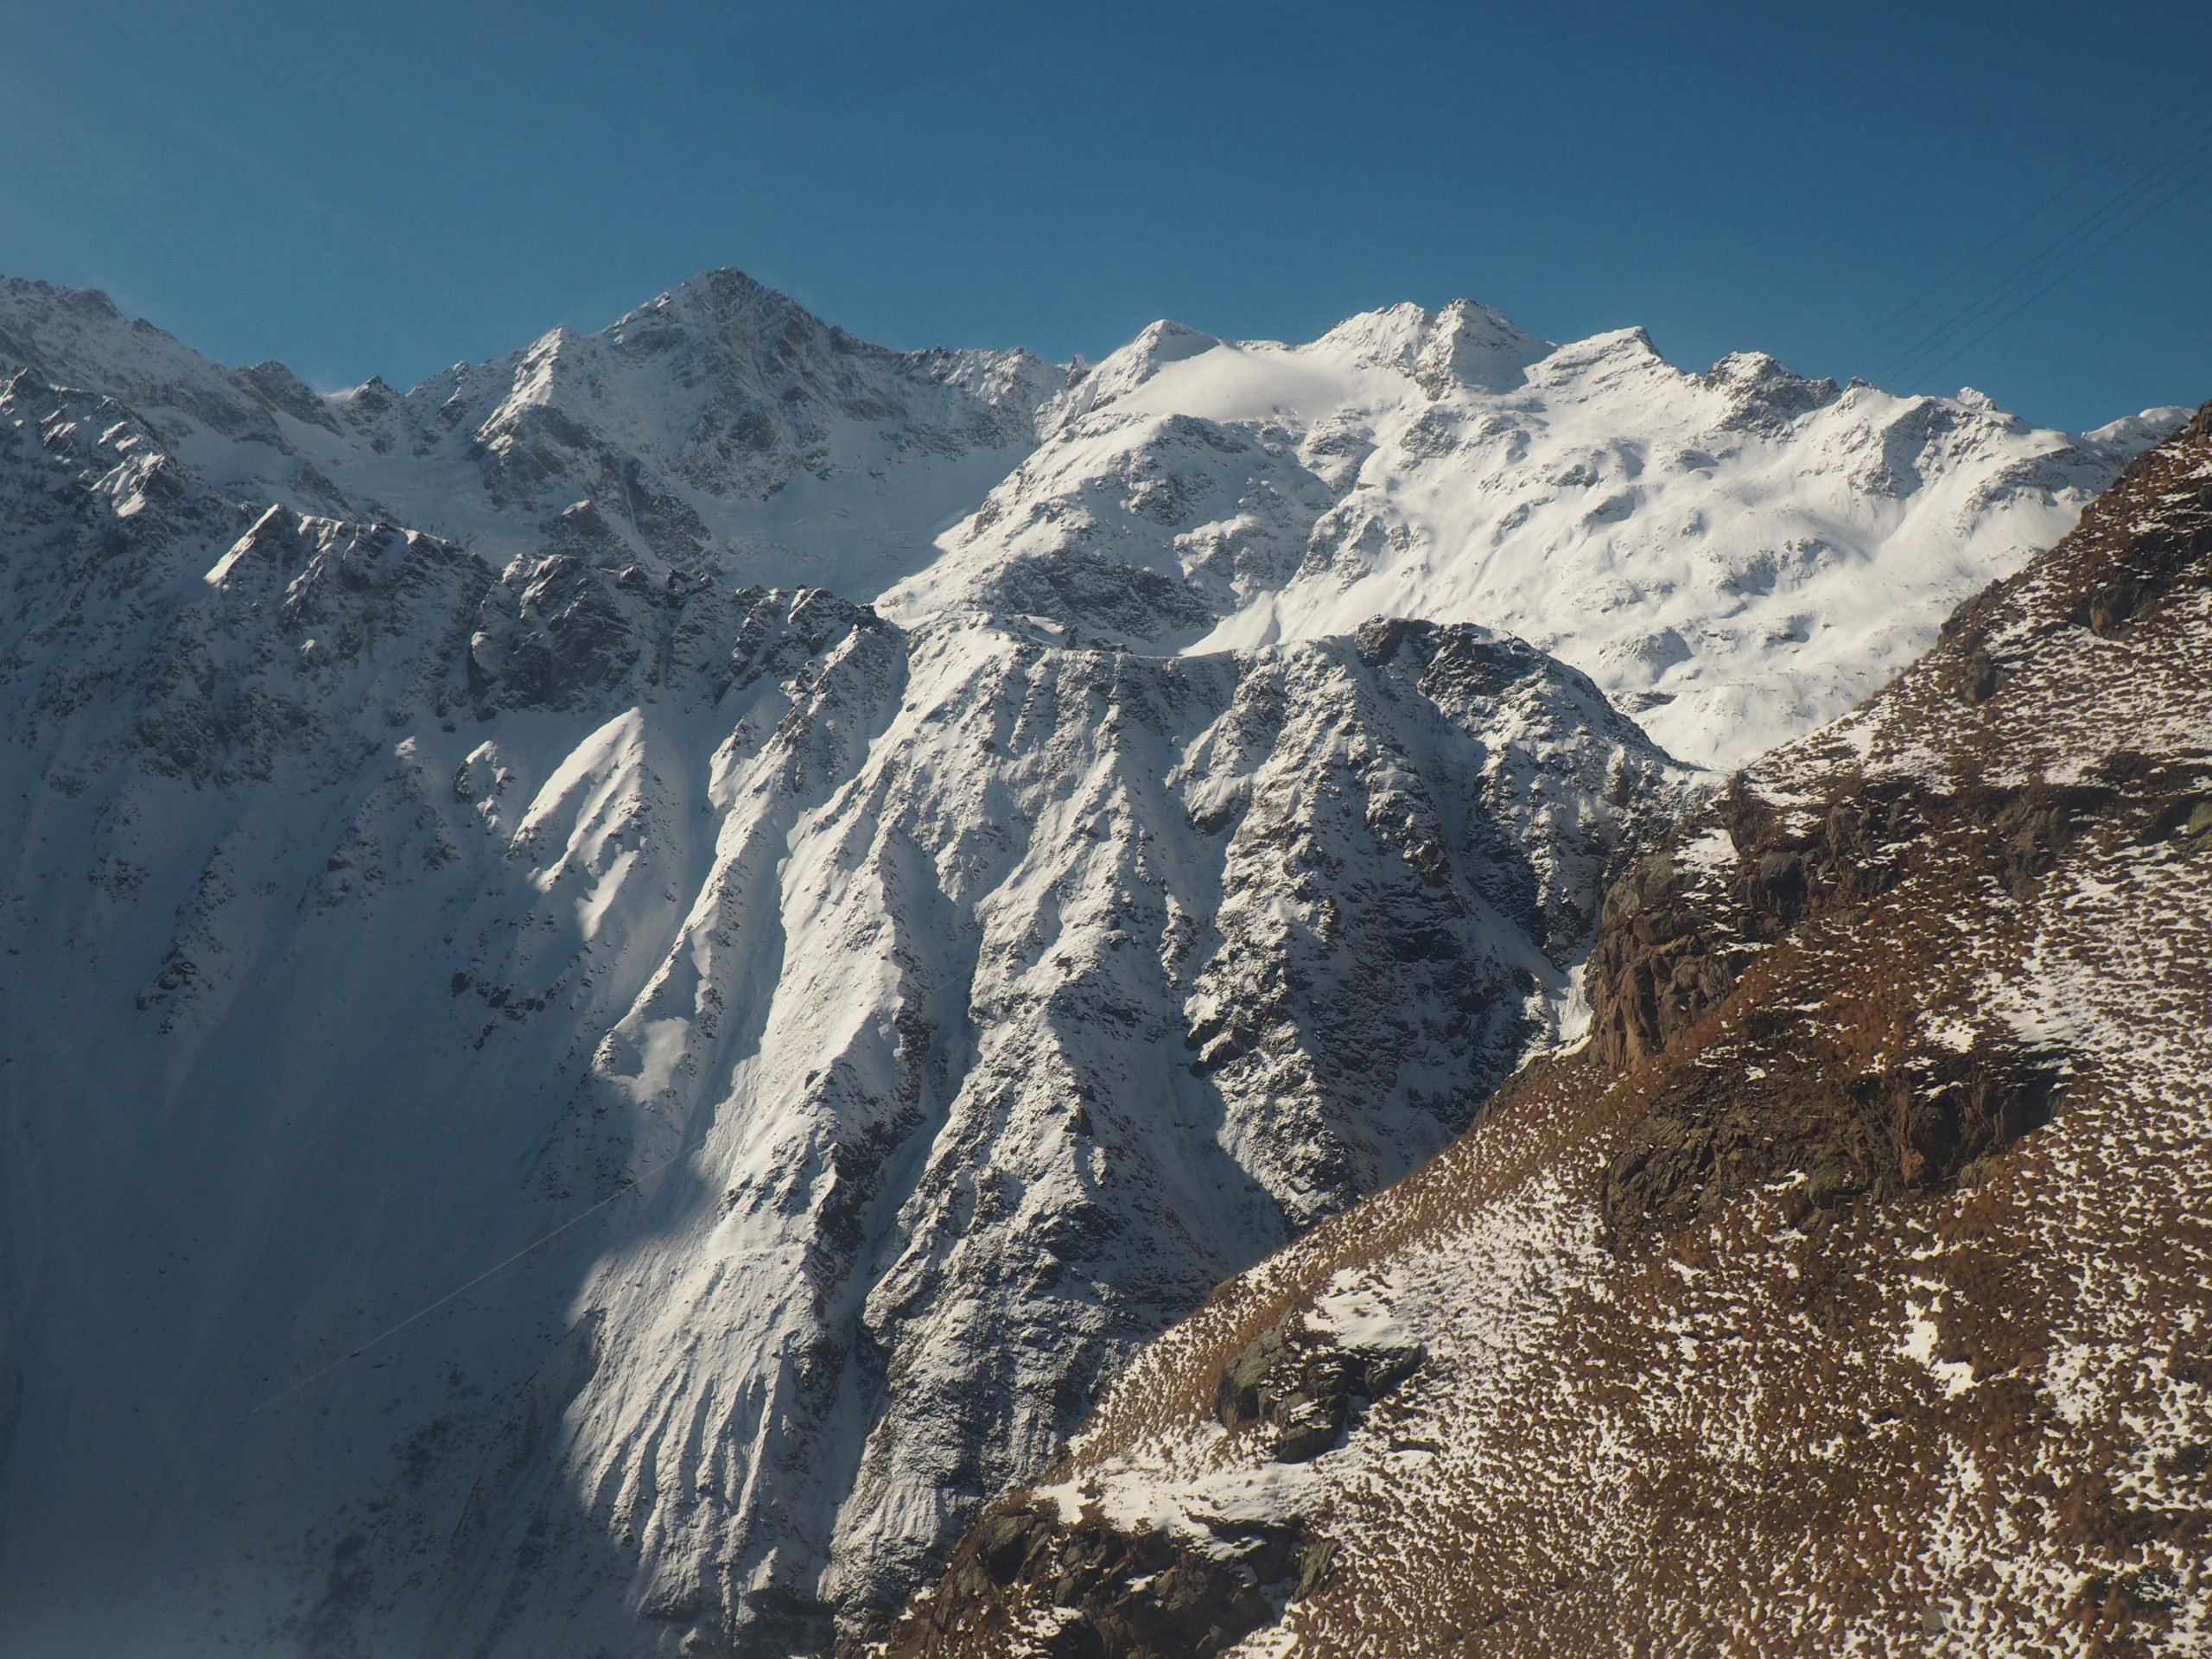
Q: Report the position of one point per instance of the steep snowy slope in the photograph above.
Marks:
(721, 426)
(1734, 556)
(448, 816)
(902, 1025)
(1849, 1292)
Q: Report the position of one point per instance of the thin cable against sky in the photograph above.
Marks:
(1909, 366)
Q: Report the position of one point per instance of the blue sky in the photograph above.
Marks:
(388, 188)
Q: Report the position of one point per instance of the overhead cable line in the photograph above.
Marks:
(2180, 189)
(426, 1310)
(1874, 331)
(2037, 262)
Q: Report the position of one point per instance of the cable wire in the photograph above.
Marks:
(2180, 189)
(282, 1395)
(1874, 331)
(1907, 364)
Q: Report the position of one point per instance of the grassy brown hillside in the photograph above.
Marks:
(1850, 1290)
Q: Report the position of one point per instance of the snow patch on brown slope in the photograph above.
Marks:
(1848, 1291)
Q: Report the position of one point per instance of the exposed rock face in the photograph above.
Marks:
(1195, 492)
(1840, 1293)
(1117, 1595)
(902, 1025)
(1685, 922)
(1301, 1386)
(463, 828)
(1683, 927)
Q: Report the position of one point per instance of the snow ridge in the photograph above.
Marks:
(1734, 556)
(441, 811)
(964, 1005)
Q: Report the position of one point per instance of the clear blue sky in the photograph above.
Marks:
(389, 186)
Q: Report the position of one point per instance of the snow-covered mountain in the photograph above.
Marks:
(1735, 556)
(720, 426)
(452, 817)
(1847, 1294)
(963, 1007)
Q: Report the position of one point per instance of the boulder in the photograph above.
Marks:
(1300, 1384)
(1981, 678)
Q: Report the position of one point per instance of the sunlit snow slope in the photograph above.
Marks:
(1849, 1292)
(449, 817)
(1734, 556)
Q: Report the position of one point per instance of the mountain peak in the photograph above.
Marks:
(1165, 340)
(1121, 372)
(1388, 337)
(1761, 391)
(88, 302)
(728, 285)
(1471, 345)
(721, 297)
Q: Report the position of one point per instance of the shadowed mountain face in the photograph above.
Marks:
(934, 1016)
(466, 830)
(1846, 1291)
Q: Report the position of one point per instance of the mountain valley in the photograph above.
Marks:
(636, 978)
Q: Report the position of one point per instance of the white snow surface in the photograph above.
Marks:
(438, 811)
(1735, 556)
(963, 1006)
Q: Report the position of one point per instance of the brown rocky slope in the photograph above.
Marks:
(1849, 1290)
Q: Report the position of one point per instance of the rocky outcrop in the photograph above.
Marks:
(1710, 1135)
(1835, 1295)
(1107, 1594)
(1299, 1386)
(1089, 1587)
(1746, 875)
